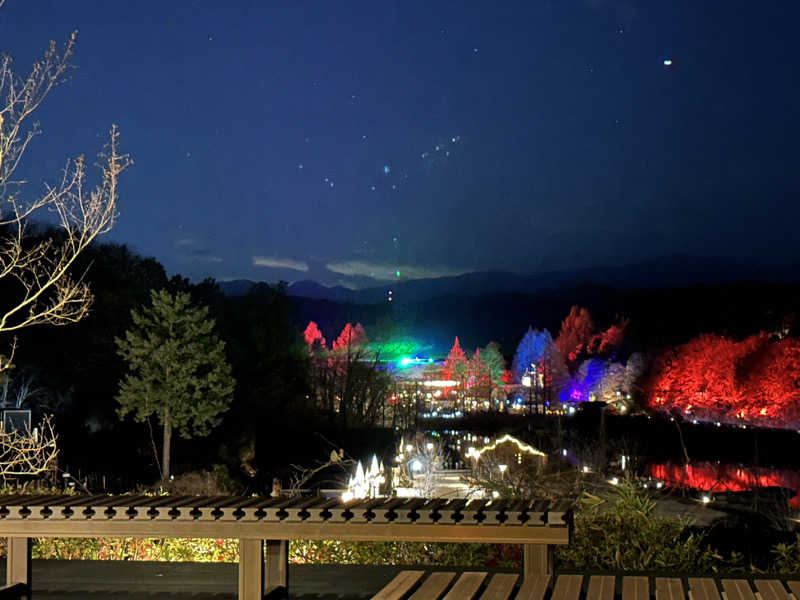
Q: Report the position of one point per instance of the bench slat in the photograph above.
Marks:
(434, 586)
(601, 587)
(500, 586)
(738, 589)
(771, 589)
(568, 587)
(534, 587)
(467, 586)
(398, 587)
(669, 588)
(703, 588)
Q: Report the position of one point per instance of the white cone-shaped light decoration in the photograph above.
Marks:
(374, 469)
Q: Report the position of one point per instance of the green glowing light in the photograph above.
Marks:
(397, 273)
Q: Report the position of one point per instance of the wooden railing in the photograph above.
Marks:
(264, 527)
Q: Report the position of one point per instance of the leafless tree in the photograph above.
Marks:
(301, 475)
(45, 289)
(27, 453)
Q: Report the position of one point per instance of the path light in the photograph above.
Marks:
(705, 499)
(416, 465)
(585, 468)
(502, 468)
(659, 485)
(429, 446)
(614, 481)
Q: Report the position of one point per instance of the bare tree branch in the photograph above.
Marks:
(28, 453)
(48, 291)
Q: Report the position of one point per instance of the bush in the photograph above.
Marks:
(215, 482)
(787, 557)
(619, 532)
(405, 553)
(154, 549)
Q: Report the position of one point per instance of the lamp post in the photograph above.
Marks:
(528, 383)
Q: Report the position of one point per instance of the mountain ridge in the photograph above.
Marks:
(680, 270)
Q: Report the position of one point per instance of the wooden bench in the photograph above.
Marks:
(264, 527)
(473, 585)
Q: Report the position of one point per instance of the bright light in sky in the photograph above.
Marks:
(667, 62)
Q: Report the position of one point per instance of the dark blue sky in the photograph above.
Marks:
(343, 140)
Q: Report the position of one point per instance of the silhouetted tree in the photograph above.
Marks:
(178, 369)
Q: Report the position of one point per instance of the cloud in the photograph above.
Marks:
(185, 242)
(204, 258)
(388, 272)
(279, 263)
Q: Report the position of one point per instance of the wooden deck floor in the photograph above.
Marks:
(109, 580)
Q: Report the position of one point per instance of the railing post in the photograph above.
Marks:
(18, 563)
(251, 569)
(277, 567)
(537, 559)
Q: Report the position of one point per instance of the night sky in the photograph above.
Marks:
(343, 141)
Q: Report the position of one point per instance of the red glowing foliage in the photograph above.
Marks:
(576, 332)
(455, 365)
(350, 337)
(313, 336)
(479, 372)
(607, 342)
(771, 380)
(713, 378)
(508, 377)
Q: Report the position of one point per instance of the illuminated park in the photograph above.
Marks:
(399, 301)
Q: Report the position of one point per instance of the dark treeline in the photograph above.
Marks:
(75, 370)
(659, 318)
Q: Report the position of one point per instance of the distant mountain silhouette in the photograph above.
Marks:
(667, 272)
(312, 289)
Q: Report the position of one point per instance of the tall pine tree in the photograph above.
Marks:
(177, 369)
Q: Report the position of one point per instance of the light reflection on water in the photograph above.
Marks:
(720, 477)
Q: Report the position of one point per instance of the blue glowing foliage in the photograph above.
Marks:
(587, 381)
(530, 351)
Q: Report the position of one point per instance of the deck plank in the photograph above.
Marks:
(771, 589)
(795, 587)
(635, 588)
(500, 586)
(398, 587)
(534, 587)
(568, 587)
(703, 588)
(467, 586)
(434, 586)
(601, 587)
(669, 588)
(738, 589)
